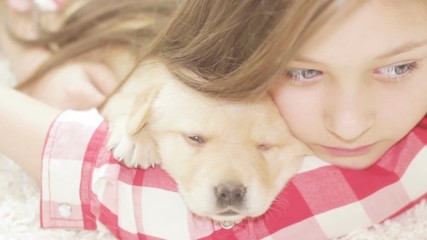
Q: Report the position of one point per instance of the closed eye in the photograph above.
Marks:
(195, 139)
(264, 147)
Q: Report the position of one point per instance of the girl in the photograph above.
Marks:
(347, 77)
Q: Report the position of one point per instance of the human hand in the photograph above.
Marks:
(76, 85)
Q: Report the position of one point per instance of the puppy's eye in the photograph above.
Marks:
(196, 139)
(264, 147)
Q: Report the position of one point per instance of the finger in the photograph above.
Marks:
(68, 87)
(89, 98)
(101, 76)
(79, 91)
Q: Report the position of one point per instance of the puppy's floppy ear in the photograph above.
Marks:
(141, 110)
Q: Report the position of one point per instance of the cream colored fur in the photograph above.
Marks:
(203, 143)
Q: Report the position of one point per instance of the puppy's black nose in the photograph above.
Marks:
(230, 194)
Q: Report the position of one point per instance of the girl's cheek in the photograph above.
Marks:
(277, 93)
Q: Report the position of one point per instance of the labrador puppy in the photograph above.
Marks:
(229, 159)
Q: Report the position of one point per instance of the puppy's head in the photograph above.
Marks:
(230, 160)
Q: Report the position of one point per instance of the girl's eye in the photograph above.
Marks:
(303, 75)
(396, 72)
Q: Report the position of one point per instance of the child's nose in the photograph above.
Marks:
(349, 115)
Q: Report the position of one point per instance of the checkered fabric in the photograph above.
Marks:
(83, 186)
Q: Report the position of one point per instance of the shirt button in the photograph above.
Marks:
(64, 210)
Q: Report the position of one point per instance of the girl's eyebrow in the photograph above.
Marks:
(406, 47)
(305, 59)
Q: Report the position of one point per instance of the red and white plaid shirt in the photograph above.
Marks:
(83, 186)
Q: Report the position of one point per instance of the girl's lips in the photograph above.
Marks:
(349, 152)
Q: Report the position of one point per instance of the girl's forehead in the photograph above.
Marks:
(373, 29)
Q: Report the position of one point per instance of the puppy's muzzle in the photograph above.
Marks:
(230, 195)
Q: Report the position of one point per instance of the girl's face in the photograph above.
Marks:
(360, 85)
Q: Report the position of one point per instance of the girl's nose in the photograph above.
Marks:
(349, 114)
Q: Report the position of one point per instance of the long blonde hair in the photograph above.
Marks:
(235, 48)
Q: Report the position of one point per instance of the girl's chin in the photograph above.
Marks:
(351, 162)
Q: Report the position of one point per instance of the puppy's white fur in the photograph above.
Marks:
(204, 144)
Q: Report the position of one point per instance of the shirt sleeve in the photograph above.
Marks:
(62, 166)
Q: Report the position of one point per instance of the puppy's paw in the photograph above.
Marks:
(122, 146)
(134, 151)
